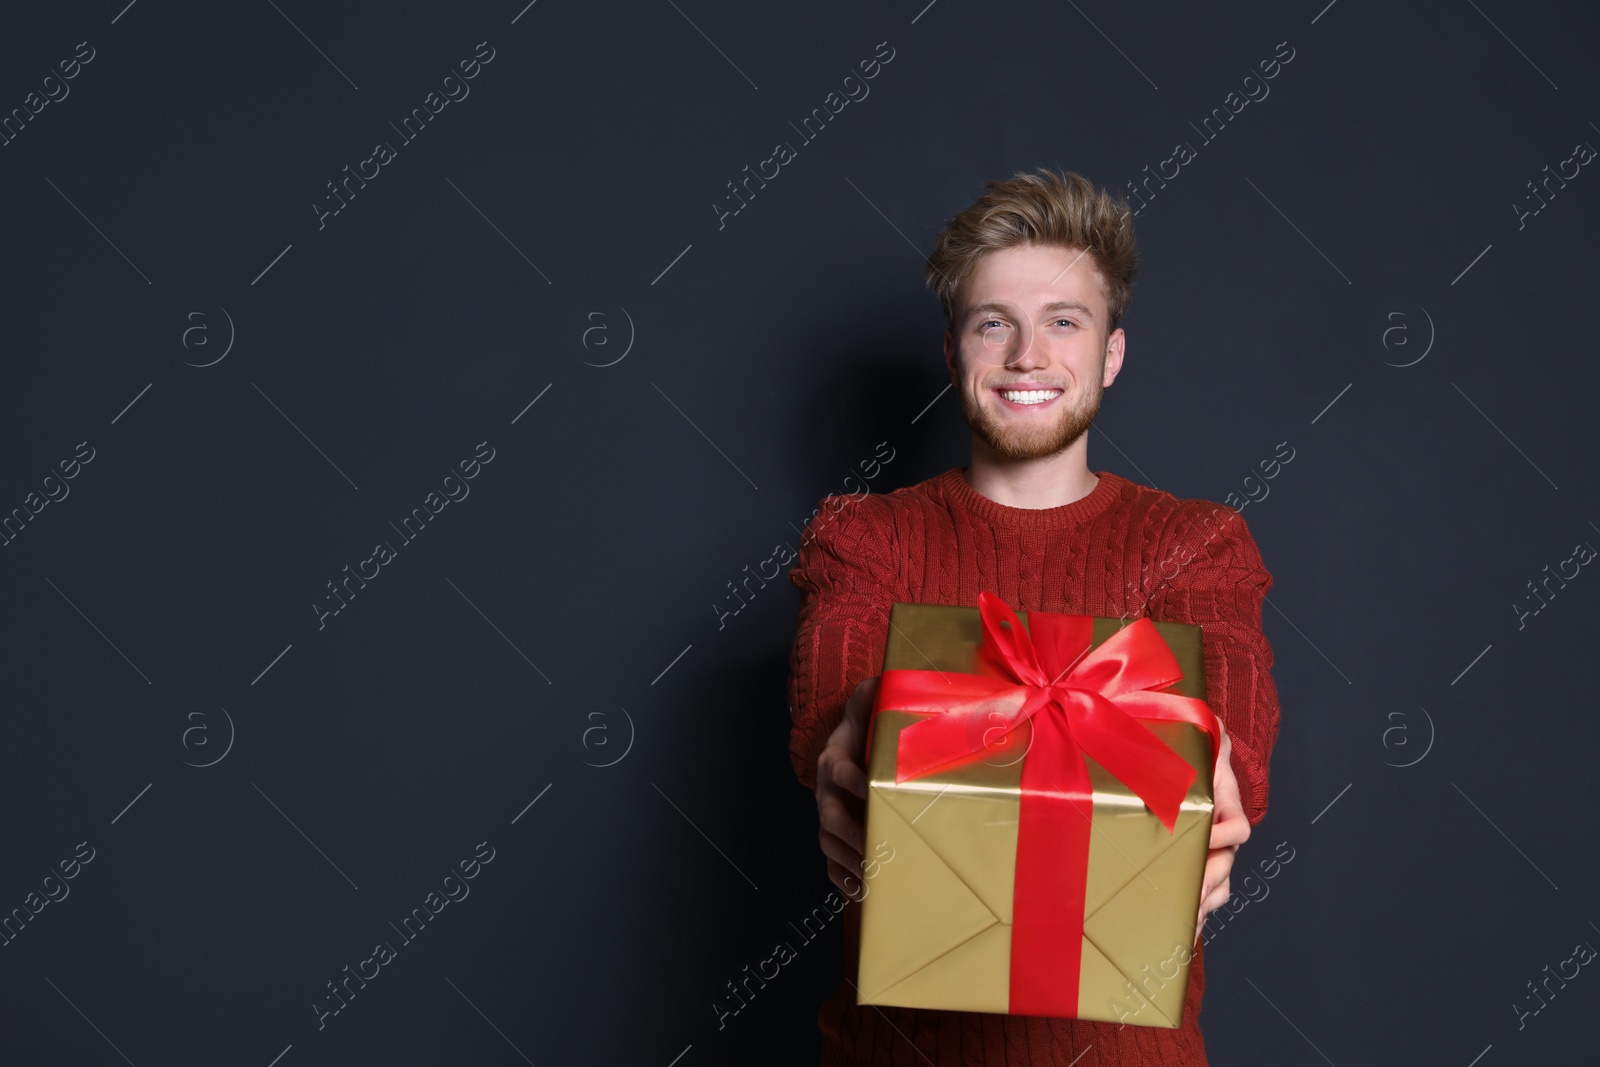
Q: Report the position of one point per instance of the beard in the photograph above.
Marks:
(1015, 442)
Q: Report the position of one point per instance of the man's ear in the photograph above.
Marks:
(1114, 346)
(950, 357)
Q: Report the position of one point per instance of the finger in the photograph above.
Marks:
(1216, 880)
(838, 770)
(861, 699)
(844, 878)
(1228, 805)
(866, 689)
(847, 775)
(1229, 829)
(1229, 824)
(839, 851)
(837, 820)
(1219, 864)
(1217, 884)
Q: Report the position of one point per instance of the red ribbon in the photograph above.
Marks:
(1079, 702)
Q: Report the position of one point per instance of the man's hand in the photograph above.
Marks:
(842, 790)
(1229, 830)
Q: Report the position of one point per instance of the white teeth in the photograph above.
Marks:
(1030, 396)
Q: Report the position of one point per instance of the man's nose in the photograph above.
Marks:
(1026, 351)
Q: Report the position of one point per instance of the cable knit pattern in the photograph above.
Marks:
(1124, 550)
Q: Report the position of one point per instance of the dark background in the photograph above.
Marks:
(1342, 269)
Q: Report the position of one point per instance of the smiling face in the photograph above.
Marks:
(1028, 348)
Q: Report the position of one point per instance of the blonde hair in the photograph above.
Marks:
(1045, 208)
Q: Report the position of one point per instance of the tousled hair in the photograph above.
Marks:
(1046, 208)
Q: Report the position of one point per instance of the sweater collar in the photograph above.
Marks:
(957, 491)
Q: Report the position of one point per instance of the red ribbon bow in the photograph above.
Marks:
(1079, 702)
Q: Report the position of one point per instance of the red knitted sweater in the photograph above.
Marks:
(1124, 550)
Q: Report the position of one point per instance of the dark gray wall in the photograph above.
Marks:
(264, 390)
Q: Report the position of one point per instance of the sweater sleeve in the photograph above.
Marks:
(1211, 573)
(845, 573)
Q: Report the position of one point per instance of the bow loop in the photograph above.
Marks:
(1008, 648)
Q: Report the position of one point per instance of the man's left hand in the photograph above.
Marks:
(1229, 830)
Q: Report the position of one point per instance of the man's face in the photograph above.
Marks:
(1032, 318)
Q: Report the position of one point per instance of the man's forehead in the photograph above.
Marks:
(1054, 277)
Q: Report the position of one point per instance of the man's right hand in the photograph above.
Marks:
(842, 791)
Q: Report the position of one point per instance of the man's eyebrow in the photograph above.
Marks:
(1054, 305)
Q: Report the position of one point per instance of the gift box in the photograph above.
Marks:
(1045, 783)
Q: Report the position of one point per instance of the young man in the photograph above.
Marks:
(1034, 278)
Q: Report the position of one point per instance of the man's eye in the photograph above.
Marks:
(1068, 322)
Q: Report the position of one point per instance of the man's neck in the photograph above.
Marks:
(1033, 484)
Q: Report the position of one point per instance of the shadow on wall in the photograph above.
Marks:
(733, 776)
(877, 418)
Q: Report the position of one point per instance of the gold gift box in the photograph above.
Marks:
(936, 928)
